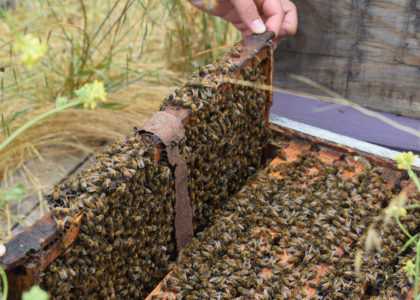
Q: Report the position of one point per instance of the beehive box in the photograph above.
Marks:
(115, 227)
(288, 228)
(294, 229)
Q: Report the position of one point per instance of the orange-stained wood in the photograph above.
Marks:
(158, 290)
(38, 243)
(34, 248)
(292, 134)
(56, 249)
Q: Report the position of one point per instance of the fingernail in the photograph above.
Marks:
(282, 32)
(258, 26)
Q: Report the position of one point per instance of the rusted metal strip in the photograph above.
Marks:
(170, 130)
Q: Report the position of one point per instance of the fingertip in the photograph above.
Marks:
(290, 22)
(249, 14)
(258, 26)
(274, 13)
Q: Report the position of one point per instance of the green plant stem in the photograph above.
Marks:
(417, 277)
(36, 120)
(409, 242)
(403, 228)
(412, 206)
(414, 177)
(5, 290)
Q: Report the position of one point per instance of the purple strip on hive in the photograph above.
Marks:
(347, 121)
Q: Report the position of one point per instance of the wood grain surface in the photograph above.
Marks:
(366, 50)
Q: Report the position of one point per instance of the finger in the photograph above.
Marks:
(290, 22)
(274, 14)
(249, 15)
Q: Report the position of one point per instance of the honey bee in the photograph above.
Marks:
(63, 274)
(72, 221)
(56, 211)
(234, 53)
(114, 174)
(106, 183)
(56, 193)
(60, 226)
(53, 268)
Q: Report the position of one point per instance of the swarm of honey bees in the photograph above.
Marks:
(292, 232)
(127, 200)
(126, 241)
(225, 135)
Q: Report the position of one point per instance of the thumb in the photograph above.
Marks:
(248, 13)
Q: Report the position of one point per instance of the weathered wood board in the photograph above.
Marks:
(366, 50)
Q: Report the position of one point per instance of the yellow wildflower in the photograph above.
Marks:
(405, 159)
(91, 93)
(409, 268)
(396, 211)
(30, 50)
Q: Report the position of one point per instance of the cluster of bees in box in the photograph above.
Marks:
(225, 135)
(292, 232)
(127, 200)
(126, 240)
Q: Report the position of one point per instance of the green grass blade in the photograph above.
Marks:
(412, 206)
(409, 242)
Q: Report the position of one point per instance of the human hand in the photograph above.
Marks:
(255, 16)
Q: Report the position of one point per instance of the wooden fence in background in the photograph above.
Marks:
(366, 50)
